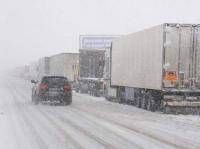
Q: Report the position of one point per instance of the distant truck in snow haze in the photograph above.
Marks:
(43, 66)
(63, 64)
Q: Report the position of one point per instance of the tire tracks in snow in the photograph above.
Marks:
(52, 122)
(140, 140)
(88, 132)
(80, 110)
(52, 119)
(75, 126)
(68, 122)
(90, 112)
(157, 138)
(38, 139)
(11, 122)
(155, 123)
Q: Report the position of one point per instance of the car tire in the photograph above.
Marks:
(32, 97)
(68, 101)
(35, 100)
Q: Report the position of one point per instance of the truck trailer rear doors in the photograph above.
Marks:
(197, 56)
(181, 56)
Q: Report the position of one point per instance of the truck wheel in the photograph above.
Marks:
(151, 104)
(144, 102)
(122, 100)
(138, 102)
(167, 110)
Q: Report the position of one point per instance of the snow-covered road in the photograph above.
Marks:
(89, 123)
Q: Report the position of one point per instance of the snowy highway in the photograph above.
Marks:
(88, 123)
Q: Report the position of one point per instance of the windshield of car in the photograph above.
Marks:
(51, 81)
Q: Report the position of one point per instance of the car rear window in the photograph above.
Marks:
(55, 80)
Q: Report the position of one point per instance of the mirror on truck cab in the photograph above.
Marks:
(33, 81)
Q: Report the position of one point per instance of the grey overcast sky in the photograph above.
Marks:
(30, 29)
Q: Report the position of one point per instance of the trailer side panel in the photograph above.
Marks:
(130, 55)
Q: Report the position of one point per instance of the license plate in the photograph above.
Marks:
(53, 93)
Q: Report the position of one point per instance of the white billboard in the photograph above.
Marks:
(96, 41)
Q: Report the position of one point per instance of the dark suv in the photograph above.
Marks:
(52, 88)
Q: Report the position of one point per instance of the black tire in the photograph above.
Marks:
(122, 101)
(144, 102)
(67, 102)
(138, 102)
(167, 110)
(151, 104)
(35, 100)
(108, 98)
(32, 97)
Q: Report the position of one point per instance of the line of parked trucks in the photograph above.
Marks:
(155, 69)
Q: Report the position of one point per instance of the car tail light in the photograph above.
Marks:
(44, 86)
(67, 87)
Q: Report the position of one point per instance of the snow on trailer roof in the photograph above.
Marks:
(163, 24)
(92, 50)
(70, 53)
(60, 76)
(74, 53)
(92, 79)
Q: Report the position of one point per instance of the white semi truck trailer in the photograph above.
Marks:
(159, 68)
